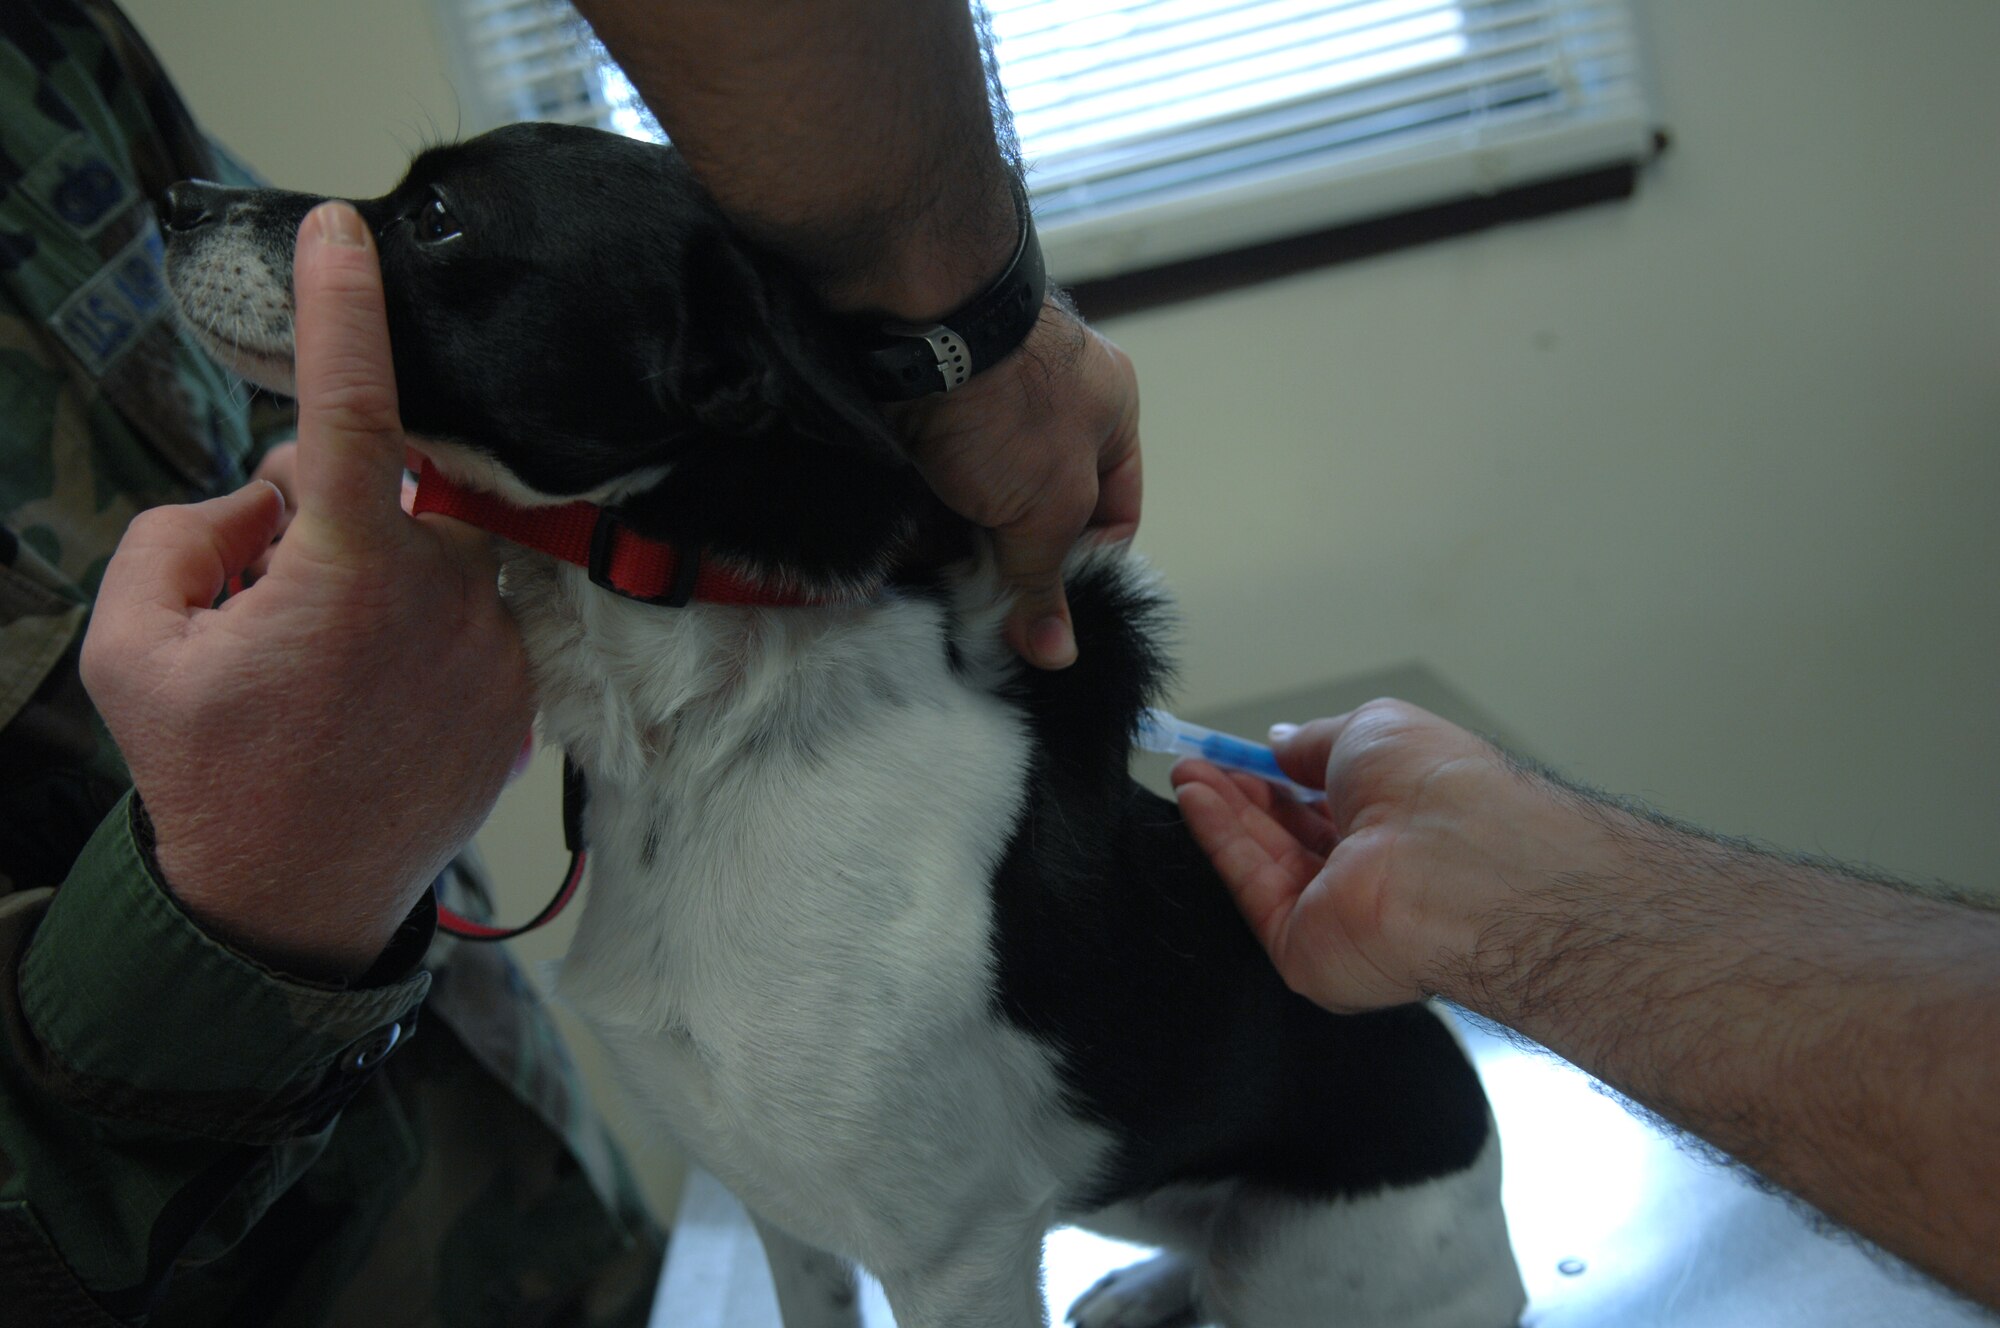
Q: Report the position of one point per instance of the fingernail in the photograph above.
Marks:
(280, 492)
(1052, 642)
(1280, 732)
(340, 224)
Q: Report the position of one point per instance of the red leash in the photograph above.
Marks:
(575, 795)
(457, 924)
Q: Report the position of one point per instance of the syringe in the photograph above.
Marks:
(1161, 732)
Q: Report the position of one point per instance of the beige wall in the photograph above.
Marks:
(328, 96)
(1695, 494)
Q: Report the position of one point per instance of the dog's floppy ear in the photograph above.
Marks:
(753, 353)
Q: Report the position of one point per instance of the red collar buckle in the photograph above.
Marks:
(681, 580)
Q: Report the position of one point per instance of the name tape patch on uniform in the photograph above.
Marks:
(108, 312)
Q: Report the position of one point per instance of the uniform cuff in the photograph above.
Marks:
(146, 1016)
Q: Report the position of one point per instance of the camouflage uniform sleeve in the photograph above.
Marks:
(159, 1086)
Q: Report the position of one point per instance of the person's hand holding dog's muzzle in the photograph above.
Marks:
(312, 751)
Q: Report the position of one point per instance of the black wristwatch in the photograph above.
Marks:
(900, 361)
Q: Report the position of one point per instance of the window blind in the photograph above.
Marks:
(537, 60)
(1157, 130)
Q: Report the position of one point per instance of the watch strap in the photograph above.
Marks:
(902, 361)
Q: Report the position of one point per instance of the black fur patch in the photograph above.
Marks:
(1120, 948)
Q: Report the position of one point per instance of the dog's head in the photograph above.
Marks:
(572, 317)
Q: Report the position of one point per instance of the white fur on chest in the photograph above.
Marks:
(795, 818)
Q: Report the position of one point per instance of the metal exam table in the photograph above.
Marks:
(1614, 1226)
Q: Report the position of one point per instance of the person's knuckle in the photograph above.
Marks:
(155, 525)
(350, 392)
(1058, 523)
(1384, 710)
(1303, 979)
(348, 277)
(168, 531)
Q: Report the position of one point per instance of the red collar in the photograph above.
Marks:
(592, 537)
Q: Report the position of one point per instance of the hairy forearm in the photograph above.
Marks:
(854, 136)
(1836, 1033)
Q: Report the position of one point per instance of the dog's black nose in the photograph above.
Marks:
(193, 203)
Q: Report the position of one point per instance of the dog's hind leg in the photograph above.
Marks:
(1159, 1292)
(1430, 1255)
(815, 1289)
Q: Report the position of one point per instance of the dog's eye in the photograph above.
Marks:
(435, 223)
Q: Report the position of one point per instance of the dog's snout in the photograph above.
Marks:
(194, 203)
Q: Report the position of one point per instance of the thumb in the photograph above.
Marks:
(1038, 626)
(350, 459)
(1304, 751)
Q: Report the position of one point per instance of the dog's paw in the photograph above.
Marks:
(1157, 1293)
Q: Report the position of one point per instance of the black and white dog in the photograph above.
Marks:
(879, 927)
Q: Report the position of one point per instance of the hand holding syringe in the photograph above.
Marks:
(1160, 732)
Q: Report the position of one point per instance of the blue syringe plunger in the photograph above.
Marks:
(1161, 732)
